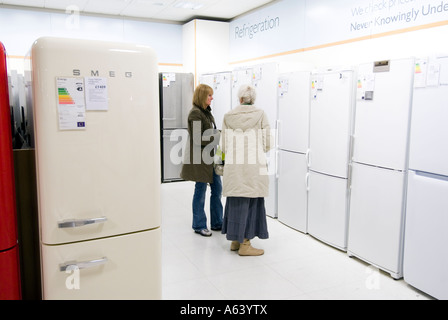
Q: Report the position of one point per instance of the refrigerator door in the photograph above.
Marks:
(176, 96)
(425, 254)
(376, 217)
(174, 144)
(8, 219)
(10, 274)
(221, 84)
(292, 190)
(382, 114)
(294, 111)
(330, 122)
(429, 124)
(327, 209)
(122, 267)
(240, 77)
(103, 178)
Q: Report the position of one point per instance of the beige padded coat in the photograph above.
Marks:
(245, 139)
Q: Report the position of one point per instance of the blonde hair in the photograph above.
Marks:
(200, 95)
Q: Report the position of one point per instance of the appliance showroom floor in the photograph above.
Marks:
(294, 266)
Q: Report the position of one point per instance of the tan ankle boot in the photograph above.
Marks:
(234, 246)
(247, 250)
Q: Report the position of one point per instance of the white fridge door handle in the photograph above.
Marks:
(308, 158)
(76, 223)
(307, 181)
(73, 265)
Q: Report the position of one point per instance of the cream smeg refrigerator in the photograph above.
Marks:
(96, 119)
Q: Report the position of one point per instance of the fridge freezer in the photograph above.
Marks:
(380, 156)
(97, 150)
(425, 259)
(9, 259)
(293, 140)
(176, 100)
(331, 115)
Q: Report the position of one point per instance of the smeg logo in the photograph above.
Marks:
(96, 73)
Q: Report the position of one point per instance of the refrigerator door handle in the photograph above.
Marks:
(75, 223)
(307, 181)
(308, 158)
(73, 265)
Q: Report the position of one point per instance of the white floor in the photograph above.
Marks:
(295, 266)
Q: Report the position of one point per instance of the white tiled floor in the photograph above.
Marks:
(294, 266)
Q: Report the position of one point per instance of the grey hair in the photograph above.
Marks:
(247, 94)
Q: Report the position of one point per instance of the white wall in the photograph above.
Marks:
(206, 47)
(19, 28)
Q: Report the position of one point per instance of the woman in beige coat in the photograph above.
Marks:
(245, 140)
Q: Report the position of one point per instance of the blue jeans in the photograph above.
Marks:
(199, 217)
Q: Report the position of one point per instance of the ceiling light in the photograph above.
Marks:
(188, 5)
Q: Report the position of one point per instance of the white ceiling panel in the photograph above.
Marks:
(28, 3)
(172, 10)
(65, 4)
(114, 7)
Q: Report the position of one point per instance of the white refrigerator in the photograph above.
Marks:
(264, 77)
(221, 84)
(331, 117)
(293, 140)
(379, 163)
(176, 99)
(97, 134)
(425, 255)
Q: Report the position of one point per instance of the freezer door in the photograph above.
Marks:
(425, 255)
(294, 111)
(103, 179)
(174, 146)
(122, 267)
(327, 209)
(429, 129)
(377, 217)
(292, 190)
(330, 122)
(382, 120)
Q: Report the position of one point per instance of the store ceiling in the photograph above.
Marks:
(172, 10)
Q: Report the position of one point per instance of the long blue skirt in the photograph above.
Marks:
(245, 218)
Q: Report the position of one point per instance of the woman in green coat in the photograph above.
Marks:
(199, 161)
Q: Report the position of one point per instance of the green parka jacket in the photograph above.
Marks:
(200, 151)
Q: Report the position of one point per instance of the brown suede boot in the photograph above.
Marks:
(234, 246)
(247, 250)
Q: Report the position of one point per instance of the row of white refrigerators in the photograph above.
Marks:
(361, 161)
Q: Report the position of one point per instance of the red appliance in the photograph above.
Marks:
(9, 250)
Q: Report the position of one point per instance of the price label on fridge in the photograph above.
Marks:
(96, 94)
(71, 103)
